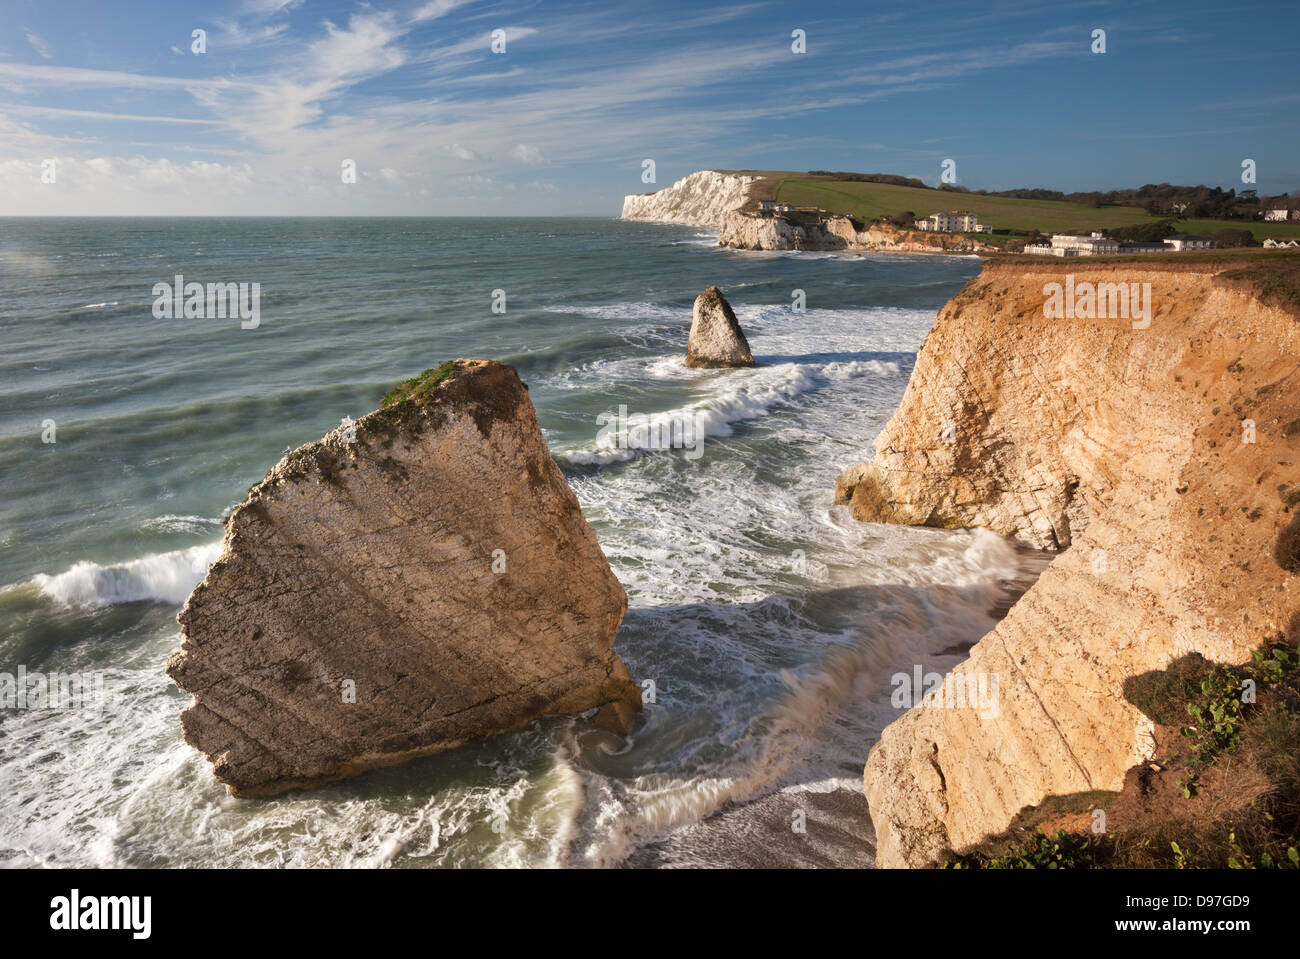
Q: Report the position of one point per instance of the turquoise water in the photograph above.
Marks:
(768, 620)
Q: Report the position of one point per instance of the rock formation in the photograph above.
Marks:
(764, 231)
(1165, 456)
(701, 199)
(716, 338)
(413, 581)
(751, 231)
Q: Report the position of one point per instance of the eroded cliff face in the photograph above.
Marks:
(701, 199)
(420, 580)
(1166, 458)
(751, 231)
(747, 231)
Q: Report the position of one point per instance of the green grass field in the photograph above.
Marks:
(870, 201)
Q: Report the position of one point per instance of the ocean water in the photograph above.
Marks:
(768, 620)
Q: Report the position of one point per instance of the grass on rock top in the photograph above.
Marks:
(423, 385)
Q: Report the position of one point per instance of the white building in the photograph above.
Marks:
(1186, 241)
(1065, 244)
(772, 206)
(1083, 245)
(1280, 244)
(1275, 216)
(954, 221)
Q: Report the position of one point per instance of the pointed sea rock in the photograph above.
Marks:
(716, 338)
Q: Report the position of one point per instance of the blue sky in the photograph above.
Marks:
(558, 123)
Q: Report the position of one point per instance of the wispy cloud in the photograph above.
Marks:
(39, 44)
(100, 115)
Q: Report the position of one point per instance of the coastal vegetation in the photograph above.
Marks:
(1222, 792)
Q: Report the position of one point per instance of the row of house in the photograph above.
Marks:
(1276, 243)
(1281, 216)
(1065, 244)
(954, 221)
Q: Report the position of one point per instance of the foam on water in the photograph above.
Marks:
(162, 577)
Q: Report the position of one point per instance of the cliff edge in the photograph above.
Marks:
(1159, 447)
(418, 579)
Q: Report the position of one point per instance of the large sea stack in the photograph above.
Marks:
(417, 580)
(716, 338)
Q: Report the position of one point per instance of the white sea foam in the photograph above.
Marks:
(623, 311)
(183, 524)
(161, 577)
(744, 394)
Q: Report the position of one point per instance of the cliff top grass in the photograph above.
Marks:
(1273, 276)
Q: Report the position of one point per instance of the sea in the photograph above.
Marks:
(766, 626)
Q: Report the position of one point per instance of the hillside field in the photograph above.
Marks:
(869, 201)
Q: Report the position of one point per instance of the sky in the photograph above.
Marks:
(462, 108)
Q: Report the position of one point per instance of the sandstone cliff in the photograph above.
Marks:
(701, 199)
(1167, 459)
(416, 580)
(752, 231)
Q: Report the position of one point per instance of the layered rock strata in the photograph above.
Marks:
(1162, 449)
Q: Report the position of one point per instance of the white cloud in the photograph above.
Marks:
(98, 185)
(268, 8)
(97, 115)
(389, 174)
(527, 154)
(40, 44)
(234, 35)
(460, 152)
(438, 8)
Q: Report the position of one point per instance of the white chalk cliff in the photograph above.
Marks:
(701, 199)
